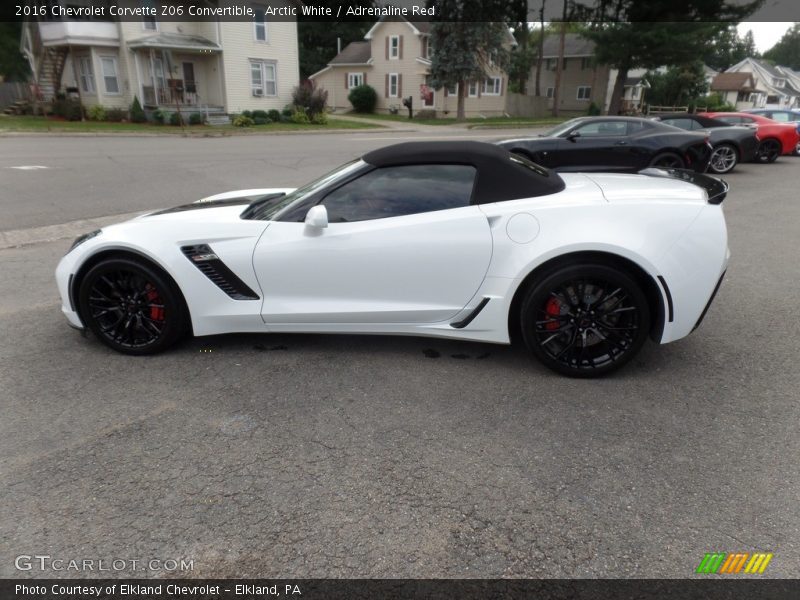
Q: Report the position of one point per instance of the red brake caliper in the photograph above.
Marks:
(553, 310)
(156, 313)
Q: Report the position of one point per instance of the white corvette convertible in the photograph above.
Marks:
(459, 240)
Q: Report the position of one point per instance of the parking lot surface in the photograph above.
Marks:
(346, 456)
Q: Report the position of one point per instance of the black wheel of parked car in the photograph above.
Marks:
(131, 306)
(723, 159)
(585, 320)
(769, 151)
(668, 160)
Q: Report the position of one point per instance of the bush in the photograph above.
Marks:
(243, 121)
(300, 117)
(137, 112)
(363, 98)
(116, 115)
(309, 98)
(159, 116)
(320, 119)
(247, 113)
(97, 113)
(287, 111)
(262, 114)
(593, 110)
(71, 110)
(176, 119)
(261, 120)
(274, 115)
(195, 119)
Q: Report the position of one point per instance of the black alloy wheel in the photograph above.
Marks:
(769, 151)
(668, 160)
(585, 320)
(131, 307)
(723, 159)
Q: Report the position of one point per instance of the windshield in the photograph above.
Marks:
(563, 128)
(268, 210)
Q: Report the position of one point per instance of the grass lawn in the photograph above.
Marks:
(43, 124)
(470, 122)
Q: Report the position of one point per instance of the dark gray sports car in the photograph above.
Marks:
(615, 144)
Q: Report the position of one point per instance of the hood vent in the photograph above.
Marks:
(218, 272)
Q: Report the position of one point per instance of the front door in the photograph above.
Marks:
(189, 83)
(403, 245)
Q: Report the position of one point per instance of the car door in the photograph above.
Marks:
(403, 244)
(599, 145)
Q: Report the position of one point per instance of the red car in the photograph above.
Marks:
(774, 138)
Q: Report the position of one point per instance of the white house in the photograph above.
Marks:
(773, 86)
(211, 66)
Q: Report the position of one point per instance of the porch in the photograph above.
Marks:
(179, 70)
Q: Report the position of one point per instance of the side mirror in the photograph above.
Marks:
(573, 135)
(317, 217)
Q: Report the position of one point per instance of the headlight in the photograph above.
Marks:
(82, 238)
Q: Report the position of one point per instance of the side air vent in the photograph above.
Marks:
(218, 272)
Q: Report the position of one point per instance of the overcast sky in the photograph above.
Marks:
(765, 34)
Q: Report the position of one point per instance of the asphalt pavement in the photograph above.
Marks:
(347, 456)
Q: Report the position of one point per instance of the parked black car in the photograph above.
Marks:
(615, 144)
(731, 144)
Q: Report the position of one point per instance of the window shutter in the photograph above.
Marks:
(365, 79)
(424, 47)
(502, 80)
(400, 52)
(387, 47)
(400, 84)
(479, 85)
(347, 81)
(445, 92)
(386, 90)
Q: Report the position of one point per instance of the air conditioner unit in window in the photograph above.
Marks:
(258, 93)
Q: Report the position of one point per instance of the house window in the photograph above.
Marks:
(149, 22)
(472, 90)
(262, 78)
(551, 92)
(354, 80)
(426, 47)
(491, 86)
(394, 46)
(586, 63)
(550, 64)
(584, 92)
(394, 84)
(453, 90)
(779, 83)
(260, 25)
(110, 80)
(86, 74)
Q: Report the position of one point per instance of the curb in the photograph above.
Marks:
(209, 134)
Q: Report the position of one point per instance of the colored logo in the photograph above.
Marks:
(734, 562)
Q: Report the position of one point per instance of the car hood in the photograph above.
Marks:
(226, 206)
(618, 188)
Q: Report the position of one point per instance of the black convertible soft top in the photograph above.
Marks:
(501, 174)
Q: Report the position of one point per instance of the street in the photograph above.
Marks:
(374, 456)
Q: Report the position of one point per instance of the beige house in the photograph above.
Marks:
(582, 80)
(395, 60)
(204, 66)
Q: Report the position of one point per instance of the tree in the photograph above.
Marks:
(678, 86)
(463, 52)
(13, 66)
(787, 51)
(630, 34)
(728, 48)
(521, 58)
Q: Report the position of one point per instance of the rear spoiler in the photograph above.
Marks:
(716, 188)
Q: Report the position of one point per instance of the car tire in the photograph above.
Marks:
(585, 320)
(131, 306)
(724, 157)
(668, 160)
(768, 151)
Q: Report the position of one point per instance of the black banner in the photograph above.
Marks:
(711, 588)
